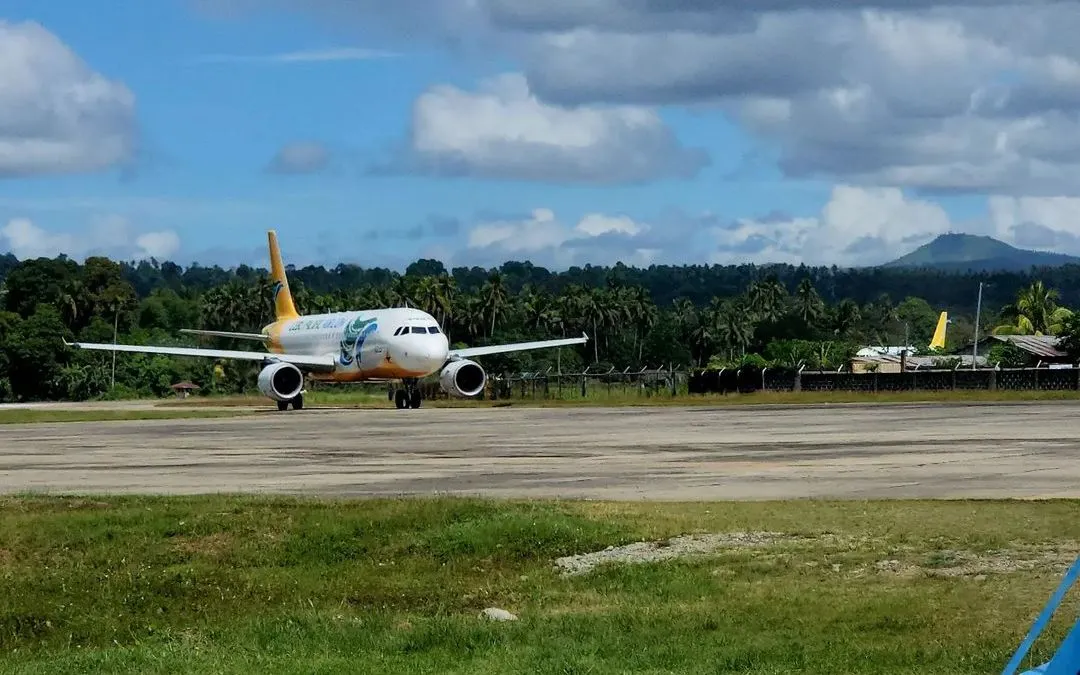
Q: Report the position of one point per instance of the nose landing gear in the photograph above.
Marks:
(409, 397)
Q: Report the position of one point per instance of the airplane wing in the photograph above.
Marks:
(226, 334)
(310, 361)
(516, 347)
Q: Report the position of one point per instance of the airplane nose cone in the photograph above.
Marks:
(425, 356)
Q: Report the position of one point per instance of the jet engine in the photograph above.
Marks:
(281, 381)
(462, 378)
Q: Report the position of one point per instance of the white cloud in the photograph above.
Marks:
(504, 131)
(159, 245)
(857, 226)
(56, 114)
(111, 236)
(543, 239)
(869, 226)
(957, 95)
(1041, 223)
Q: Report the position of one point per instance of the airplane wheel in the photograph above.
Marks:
(282, 405)
(415, 399)
(400, 399)
(298, 402)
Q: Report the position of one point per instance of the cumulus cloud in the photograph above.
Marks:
(111, 236)
(503, 131)
(544, 239)
(941, 95)
(56, 114)
(857, 226)
(869, 226)
(1040, 223)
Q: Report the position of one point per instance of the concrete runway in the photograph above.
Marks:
(738, 452)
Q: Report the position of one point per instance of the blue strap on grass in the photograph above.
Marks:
(1066, 660)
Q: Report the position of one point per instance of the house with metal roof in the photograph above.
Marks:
(1040, 348)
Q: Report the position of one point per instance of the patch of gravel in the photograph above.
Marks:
(676, 547)
(952, 563)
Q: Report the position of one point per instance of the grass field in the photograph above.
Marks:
(359, 398)
(28, 416)
(223, 584)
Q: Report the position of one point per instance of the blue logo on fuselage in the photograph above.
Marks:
(352, 341)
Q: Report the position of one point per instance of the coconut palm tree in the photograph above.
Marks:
(808, 304)
(1035, 312)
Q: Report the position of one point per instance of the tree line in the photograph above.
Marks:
(688, 316)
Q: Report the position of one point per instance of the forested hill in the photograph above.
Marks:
(964, 252)
(954, 290)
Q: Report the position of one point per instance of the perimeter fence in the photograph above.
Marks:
(672, 382)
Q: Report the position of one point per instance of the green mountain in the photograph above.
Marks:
(962, 252)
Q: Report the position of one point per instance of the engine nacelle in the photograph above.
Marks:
(281, 381)
(462, 378)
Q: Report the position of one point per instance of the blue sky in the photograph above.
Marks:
(566, 132)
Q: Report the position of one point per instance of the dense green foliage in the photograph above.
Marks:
(658, 316)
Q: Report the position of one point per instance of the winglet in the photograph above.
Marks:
(283, 301)
(938, 342)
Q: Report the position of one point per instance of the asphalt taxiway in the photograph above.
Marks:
(691, 453)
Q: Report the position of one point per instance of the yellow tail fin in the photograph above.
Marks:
(939, 333)
(283, 302)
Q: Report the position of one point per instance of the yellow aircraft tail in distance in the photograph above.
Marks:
(938, 341)
(283, 302)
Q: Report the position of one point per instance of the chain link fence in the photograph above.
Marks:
(671, 382)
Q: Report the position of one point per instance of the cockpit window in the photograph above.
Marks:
(433, 329)
(418, 329)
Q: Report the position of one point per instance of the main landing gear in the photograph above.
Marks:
(409, 397)
(297, 403)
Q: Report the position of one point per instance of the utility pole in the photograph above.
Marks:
(978, 315)
(116, 324)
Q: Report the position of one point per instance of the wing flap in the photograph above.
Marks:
(517, 347)
(310, 361)
(226, 334)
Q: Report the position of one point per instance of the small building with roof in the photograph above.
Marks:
(184, 389)
(1040, 349)
(889, 363)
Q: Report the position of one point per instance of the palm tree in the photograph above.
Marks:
(596, 311)
(767, 299)
(846, 317)
(1035, 312)
(808, 304)
(733, 326)
(494, 296)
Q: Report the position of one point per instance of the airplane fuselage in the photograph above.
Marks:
(378, 344)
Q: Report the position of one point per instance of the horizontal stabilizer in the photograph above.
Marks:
(516, 347)
(226, 334)
(310, 361)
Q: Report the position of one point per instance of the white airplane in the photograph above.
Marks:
(381, 345)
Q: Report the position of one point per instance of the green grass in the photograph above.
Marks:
(29, 416)
(359, 398)
(277, 585)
